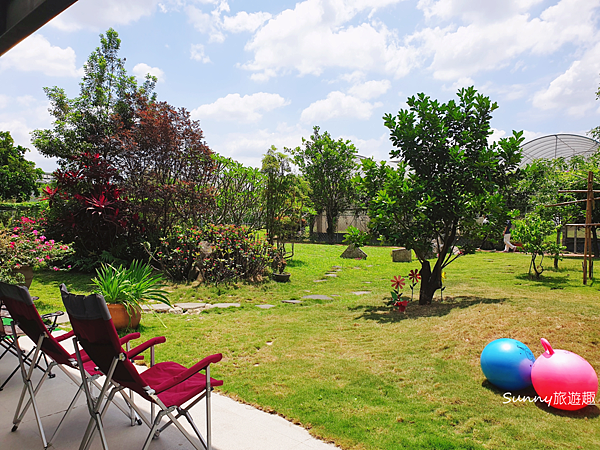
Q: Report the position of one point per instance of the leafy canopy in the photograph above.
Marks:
(447, 177)
(328, 166)
(18, 177)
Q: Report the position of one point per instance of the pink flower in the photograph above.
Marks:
(56, 269)
(414, 276)
(35, 232)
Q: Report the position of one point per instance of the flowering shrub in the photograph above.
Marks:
(218, 253)
(28, 246)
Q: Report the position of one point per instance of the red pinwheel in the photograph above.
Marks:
(414, 276)
(398, 282)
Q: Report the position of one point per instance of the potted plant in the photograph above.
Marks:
(126, 290)
(355, 239)
(278, 266)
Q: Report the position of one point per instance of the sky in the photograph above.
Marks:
(260, 73)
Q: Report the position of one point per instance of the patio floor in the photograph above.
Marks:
(235, 426)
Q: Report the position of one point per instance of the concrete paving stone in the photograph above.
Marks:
(332, 275)
(336, 267)
(158, 307)
(295, 302)
(223, 305)
(265, 306)
(361, 292)
(191, 305)
(317, 297)
(318, 281)
(62, 319)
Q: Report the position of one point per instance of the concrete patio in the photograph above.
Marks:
(235, 426)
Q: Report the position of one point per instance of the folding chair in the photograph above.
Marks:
(24, 315)
(7, 339)
(168, 385)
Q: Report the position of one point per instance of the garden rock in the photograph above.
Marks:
(401, 255)
(354, 253)
(175, 310)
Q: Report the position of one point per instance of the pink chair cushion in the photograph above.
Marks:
(182, 392)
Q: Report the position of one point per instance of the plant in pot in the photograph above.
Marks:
(126, 290)
(355, 239)
(278, 267)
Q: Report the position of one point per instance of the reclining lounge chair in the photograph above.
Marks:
(25, 315)
(168, 385)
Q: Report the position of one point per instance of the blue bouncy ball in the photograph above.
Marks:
(506, 363)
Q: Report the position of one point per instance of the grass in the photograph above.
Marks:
(359, 374)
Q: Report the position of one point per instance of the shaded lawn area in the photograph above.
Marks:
(365, 377)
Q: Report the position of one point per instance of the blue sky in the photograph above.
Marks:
(262, 73)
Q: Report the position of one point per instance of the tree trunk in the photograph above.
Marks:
(330, 226)
(558, 232)
(430, 282)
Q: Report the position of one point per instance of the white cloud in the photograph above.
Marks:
(237, 108)
(197, 53)
(493, 40)
(100, 14)
(573, 91)
(210, 24)
(338, 104)
(316, 35)
(35, 53)
(141, 70)
(474, 10)
(243, 21)
(248, 148)
(370, 89)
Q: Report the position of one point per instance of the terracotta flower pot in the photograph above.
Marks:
(27, 272)
(120, 316)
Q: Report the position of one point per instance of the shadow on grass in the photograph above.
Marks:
(529, 395)
(296, 263)
(556, 282)
(389, 314)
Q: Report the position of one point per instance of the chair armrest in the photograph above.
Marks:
(62, 337)
(130, 337)
(55, 316)
(145, 346)
(201, 365)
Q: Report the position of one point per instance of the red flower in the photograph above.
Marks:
(401, 305)
(414, 276)
(398, 282)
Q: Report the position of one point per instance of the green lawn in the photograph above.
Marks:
(365, 377)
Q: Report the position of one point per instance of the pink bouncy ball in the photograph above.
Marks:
(564, 379)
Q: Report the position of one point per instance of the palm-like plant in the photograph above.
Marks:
(131, 287)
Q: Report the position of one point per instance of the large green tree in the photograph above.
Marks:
(449, 175)
(18, 177)
(328, 166)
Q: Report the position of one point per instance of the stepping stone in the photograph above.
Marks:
(62, 319)
(361, 292)
(175, 310)
(368, 282)
(332, 275)
(336, 267)
(295, 302)
(265, 306)
(190, 305)
(318, 281)
(223, 305)
(317, 297)
(158, 307)
(356, 267)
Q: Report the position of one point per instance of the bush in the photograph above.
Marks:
(355, 236)
(216, 253)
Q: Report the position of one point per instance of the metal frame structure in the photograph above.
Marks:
(558, 146)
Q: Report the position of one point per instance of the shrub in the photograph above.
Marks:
(217, 253)
(355, 236)
(24, 244)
